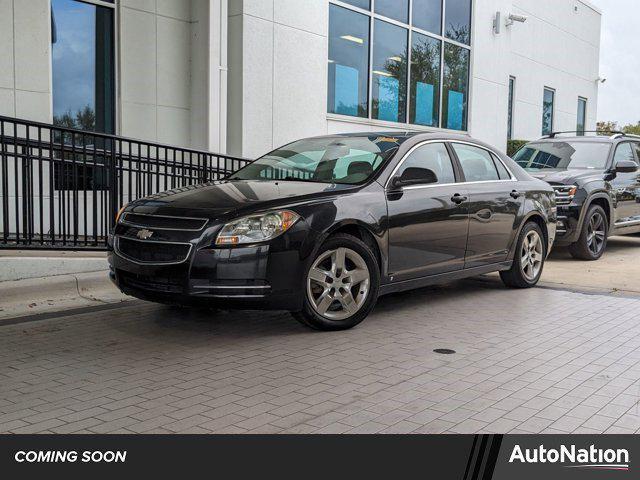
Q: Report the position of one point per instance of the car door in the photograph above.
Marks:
(494, 204)
(428, 223)
(626, 187)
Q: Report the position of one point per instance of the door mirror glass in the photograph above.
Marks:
(415, 176)
(626, 166)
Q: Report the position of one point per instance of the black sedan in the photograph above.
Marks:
(323, 226)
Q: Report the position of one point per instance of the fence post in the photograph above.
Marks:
(113, 186)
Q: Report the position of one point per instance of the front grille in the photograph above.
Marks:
(564, 194)
(157, 284)
(160, 222)
(145, 251)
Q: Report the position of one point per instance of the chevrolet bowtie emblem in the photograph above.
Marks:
(144, 234)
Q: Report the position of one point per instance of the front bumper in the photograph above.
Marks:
(264, 276)
(568, 229)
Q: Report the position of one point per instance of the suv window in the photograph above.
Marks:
(477, 163)
(624, 152)
(432, 156)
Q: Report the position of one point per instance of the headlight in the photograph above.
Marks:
(257, 228)
(120, 212)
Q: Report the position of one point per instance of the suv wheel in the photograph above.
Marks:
(341, 285)
(593, 237)
(531, 252)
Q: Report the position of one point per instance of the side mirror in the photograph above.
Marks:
(626, 166)
(415, 176)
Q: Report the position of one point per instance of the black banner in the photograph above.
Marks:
(442, 457)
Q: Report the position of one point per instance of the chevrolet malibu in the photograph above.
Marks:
(324, 226)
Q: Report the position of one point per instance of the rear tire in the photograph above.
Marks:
(528, 262)
(592, 241)
(340, 285)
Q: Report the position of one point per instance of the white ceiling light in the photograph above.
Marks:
(353, 39)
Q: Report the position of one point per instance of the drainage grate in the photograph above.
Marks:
(444, 351)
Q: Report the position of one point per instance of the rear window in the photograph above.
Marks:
(563, 155)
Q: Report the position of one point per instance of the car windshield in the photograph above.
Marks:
(346, 160)
(563, 155)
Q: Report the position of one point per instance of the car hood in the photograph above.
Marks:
(217, 199)
(566, 177)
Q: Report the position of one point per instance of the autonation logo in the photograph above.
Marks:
(588, 458)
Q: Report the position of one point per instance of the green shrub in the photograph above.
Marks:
(514, 145)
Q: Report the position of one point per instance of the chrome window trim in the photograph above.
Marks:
(116, 249)
(462, 142)
(123, 221)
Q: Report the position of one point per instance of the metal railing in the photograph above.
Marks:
(61, 188)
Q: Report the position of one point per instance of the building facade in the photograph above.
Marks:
(245, 76)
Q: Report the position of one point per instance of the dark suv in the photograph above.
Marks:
(597, 187)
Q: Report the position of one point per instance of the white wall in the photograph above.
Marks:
(557, 47)
(277, 73)
(25, 53)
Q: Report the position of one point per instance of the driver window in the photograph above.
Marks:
(434, 157)
(624, 152)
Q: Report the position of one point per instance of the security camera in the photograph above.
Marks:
(601, 79)
(512, 18)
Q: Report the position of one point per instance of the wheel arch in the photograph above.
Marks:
(538, 218)
(361, 231)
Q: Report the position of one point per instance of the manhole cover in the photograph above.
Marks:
(444, 351)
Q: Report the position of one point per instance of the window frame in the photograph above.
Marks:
(457, 166)
(411, 29)
(553, 109)
(581, 133)
(114, 6)
(511, 101)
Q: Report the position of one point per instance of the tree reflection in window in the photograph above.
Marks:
(458, 20)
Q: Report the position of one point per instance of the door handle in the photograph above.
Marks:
(515, 194)
(458, 199)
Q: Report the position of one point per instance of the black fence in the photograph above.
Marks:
(62, 188)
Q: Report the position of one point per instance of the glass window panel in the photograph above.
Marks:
(502, 170)
(396, 9)
(512, 86)
(455, 87)
(476, 163)
(582, 116)
(624, 152)
(389, 72)
(348, 62)
(365, 4)
(425, 80)
(433, 156)
(547, 111)
(82, 65)
(427, 15)
(458, 20)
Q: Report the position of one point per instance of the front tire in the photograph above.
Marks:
(341, 285)
(592, 241)
(531, 253)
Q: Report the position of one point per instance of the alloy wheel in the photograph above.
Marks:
(531, 256)
(596, 233)
(338, 283)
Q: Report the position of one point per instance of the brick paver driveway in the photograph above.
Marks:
(539, 360)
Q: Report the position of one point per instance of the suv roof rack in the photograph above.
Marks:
(613, 134)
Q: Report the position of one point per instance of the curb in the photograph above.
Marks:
(56, 293)
(13, 268)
